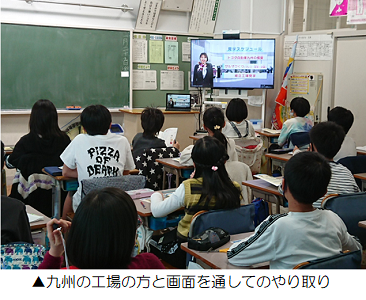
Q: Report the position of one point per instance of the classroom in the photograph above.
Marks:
(139, 70)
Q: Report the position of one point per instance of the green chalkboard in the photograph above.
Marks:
(143, 98)
(69, 66)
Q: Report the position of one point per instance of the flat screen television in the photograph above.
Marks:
(233, 64)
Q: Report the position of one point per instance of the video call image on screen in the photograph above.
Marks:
(240, 64)
(177, 101)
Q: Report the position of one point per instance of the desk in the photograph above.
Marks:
(184, 120)
(361, 176)
(56, 192)
(173, 166)
(38, 224)
(267, 191)
(197, 137)
(267, 135)
(361, 152)
(362, 224)
(278, 159)
(217, 260)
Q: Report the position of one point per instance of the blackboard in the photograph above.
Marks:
(69, 66)
(143, 98)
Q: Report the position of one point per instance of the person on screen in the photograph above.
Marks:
(203, 72)
(170, 102)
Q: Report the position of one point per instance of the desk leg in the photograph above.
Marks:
(164, 178)
(177, 176)
(56, 199)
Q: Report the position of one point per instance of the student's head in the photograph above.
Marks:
(300, 106)
(327, 138)
(341, 116)
(152, 120)
(103, 231)
(236, 110)
(209, 157)
(307, 176)
(214, 121)
(203, 58)
(96, 119)
(43, 120)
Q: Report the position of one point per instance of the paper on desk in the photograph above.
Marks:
(34, 218)
(271, 130)
(362, 148)
(276, 181)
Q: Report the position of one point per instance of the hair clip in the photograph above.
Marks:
(216, 127)
(214, 168)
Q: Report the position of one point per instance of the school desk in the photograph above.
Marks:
(266, 191)
(185, 121)
(361, 152)
(362, 224)
(267, 136)
(174, 166)
(38, 224)
(58, 182)
(361, 176)
(218, 260)
(277, 160)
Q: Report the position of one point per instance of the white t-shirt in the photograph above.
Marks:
(97, 156)
(289, 239)
(348, 148)
(229, 131)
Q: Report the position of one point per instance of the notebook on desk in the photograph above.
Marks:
(54, 171)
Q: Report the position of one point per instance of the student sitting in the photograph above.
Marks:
(14, 220)
(95, 154)
(152, 120)
(209, 188)
(40, 148)
(237, 127)
(326, 138)
(300, 107)
(213, 122)
(102, 235)
(305, 233)
(344, 118)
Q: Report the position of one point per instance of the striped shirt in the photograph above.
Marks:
(341, 182)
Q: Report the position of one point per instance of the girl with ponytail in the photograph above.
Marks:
(209, 187)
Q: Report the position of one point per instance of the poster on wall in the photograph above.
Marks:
(139, 48)
(338, 8)
(310, 47)
(356, 13)
(204, 15)
(148, 14)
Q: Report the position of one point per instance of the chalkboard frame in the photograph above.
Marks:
(26, 78)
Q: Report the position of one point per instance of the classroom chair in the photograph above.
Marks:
(22, 256)
(126, 183)
(152, 170)
(356, 164)
(237, 220)
(343, 260)
(351, 208)
(299, 139)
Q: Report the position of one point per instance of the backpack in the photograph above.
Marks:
(261, 210)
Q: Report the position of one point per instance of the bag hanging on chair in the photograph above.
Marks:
(250, 152)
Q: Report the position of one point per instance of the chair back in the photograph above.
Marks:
(299, 139)
(152, 170)
(23, 256)
(351, 208)
(236, 220)
(126, 183)
(356, 164)
(343, 260)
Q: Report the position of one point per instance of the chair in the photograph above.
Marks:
(351, 208)
(356, 164)
(236, 220)
(152, 170)
(126, 183)
(343, 260)
(299, 139)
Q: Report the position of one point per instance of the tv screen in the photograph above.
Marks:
(233, 64)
